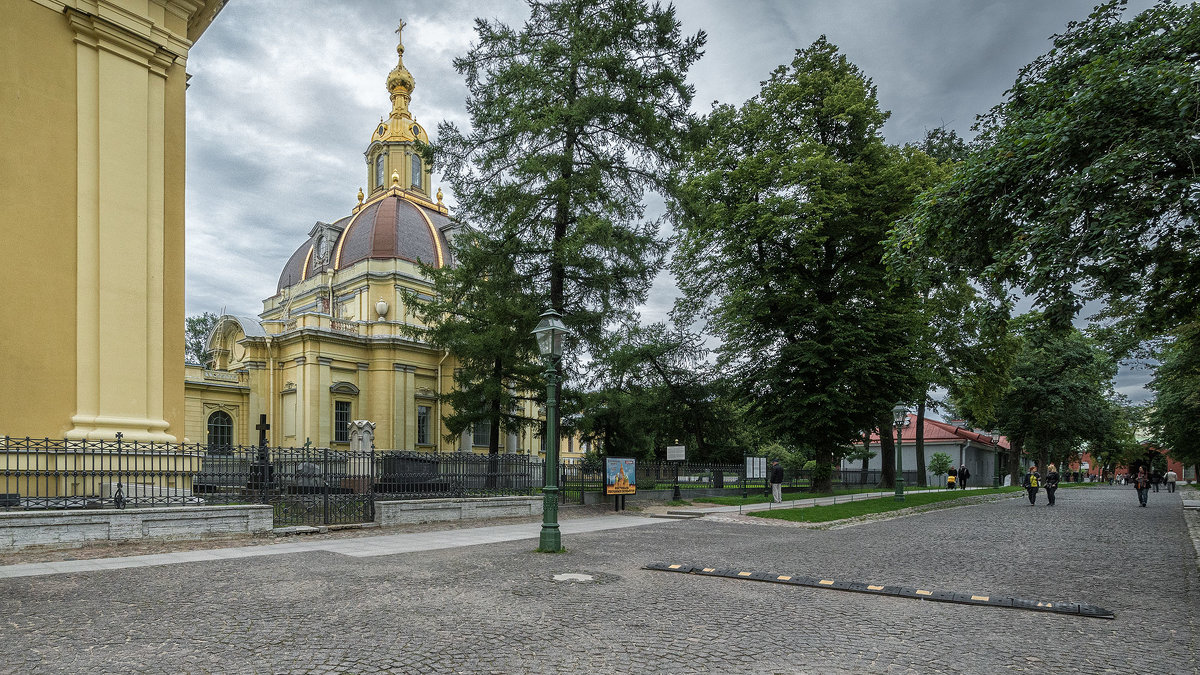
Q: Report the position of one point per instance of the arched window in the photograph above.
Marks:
(220, 433)
(379, 171)
(416, 170)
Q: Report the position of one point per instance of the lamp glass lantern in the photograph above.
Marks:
(550, 332)
(900, 414)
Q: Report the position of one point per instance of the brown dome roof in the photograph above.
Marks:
(393, 226)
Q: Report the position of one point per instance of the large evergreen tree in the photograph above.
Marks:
(574, 116)
(781, 215)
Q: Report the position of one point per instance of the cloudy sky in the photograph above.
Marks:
(284, 96)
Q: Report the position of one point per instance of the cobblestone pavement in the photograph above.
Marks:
(496, 608)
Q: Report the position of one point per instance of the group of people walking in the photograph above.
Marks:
(1033, 482)
(957, 478)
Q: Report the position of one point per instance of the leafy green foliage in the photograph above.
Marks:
(781, 211)
(940, 463)
(1083, 184)
(1059, 394)
(195, 332)
(1175, 418)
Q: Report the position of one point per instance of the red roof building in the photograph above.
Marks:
(965, 446)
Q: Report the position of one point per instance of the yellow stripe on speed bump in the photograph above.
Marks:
(675, 567)
(744, 574)
(919, 592)
(981, 598)
(875, 588)
(827, 582)
(783, 577)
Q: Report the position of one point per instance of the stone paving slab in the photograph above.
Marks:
(495, 607)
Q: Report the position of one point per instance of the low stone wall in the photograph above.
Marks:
(594, 498)
(410, 511)
(65, 529)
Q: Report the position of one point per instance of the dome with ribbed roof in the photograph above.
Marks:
(394, 226)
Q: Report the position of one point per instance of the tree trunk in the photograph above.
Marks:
(822, 477)
(862, 479)
(887, 453)
(1014, 460)
(920, 430)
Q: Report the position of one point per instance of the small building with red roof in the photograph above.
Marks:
(965, 446)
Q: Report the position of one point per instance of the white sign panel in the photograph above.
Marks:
(1084, 466)
(675, 453)
(756, 467)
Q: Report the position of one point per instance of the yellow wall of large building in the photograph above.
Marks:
(92, 164)
(37, 203)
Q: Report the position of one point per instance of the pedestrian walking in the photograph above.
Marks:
(1142, 484)
(963, 475)
(1155, 479)
(1031, 482)
(776, 481)
(1051, 483)
(1171, 478)
(952, 478)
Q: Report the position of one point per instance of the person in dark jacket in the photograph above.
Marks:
(952, 478)
(1031, 483)
(1142, 485)
(963, 475)
(776, 481)
(1051, 483)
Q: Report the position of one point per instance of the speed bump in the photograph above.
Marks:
(916, 593)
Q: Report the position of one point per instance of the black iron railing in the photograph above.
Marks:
(304, 485)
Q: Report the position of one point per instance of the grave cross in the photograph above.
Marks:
(262, 427)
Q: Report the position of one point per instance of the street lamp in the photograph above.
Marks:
(899, 415)
(996, 456)
(550, 332)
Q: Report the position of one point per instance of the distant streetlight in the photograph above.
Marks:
(550, 332)
(996, 456)
(900, 415)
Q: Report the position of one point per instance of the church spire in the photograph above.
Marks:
(400, 82)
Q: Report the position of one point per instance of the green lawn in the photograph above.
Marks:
(825, 514)
(757, 497)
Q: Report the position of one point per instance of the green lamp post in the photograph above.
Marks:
(550, 332)
(996, 457)
(900, 416)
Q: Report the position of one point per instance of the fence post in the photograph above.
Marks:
(119, 495)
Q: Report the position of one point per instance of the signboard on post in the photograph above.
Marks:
(676, 453)
(756, 467)
(620, 476)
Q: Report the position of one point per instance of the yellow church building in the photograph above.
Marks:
(329, 346)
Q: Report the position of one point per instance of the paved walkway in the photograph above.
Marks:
(431, 603)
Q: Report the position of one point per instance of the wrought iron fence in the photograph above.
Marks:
(660, 475)
(303, 485)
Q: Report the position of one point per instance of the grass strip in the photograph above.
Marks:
(825, 514)
(796, 496)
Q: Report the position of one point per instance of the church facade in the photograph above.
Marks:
(330, 346)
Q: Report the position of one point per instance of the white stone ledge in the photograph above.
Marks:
(410, 511)
(63, 529)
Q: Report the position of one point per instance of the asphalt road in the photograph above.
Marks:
(496, 608)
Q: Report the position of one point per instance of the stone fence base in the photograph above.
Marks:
(433, 510)
(65, 529)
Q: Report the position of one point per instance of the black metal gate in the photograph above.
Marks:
(304, 486)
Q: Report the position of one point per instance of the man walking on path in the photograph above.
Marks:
(1031, 483)
(776, 482)
(963, 475)
(1171, 478)
(1142, 484)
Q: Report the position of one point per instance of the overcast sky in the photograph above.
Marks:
(285, 94)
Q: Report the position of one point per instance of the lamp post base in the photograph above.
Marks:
(550, 540)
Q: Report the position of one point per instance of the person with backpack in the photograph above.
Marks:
(1142, 484)
(1051, 483)
(1031, 483)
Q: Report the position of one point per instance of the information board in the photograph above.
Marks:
(620, 476)
(756, 467)
(675, 453)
